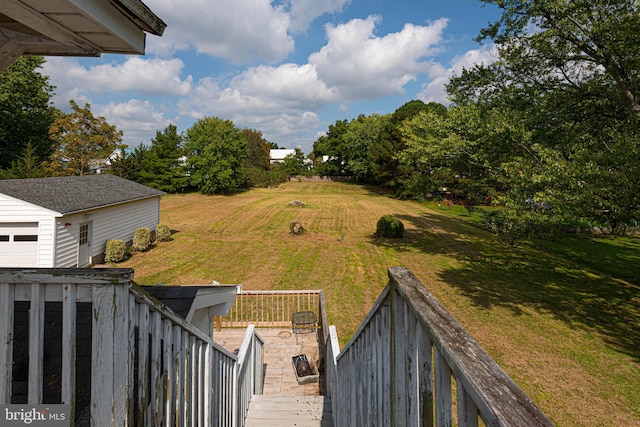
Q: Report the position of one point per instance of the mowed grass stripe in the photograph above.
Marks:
(568, 333)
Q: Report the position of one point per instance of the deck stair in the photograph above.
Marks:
(285, 411)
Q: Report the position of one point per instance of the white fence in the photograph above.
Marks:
(147, 365)
(271, 309)
(398, 368)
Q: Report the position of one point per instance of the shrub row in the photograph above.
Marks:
(116, 250)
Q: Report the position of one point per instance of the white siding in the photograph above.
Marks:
(13, 210)
(67, 240)
(114, 222)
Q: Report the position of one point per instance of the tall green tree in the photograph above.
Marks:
(162, 166)
(27, 165)
(384, 154)
(294, 164)
(358, 141)
(128, 164)
(463, 150)
(215, 152)
(82, 140)
(257, 150)
(331, 147)
(25, 111)
(568, 74)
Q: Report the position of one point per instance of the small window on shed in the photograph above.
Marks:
(4, 238)
(25, 238)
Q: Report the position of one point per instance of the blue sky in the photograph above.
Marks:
(288, 68)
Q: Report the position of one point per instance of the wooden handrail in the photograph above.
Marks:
(249, 370)
(398, 368)
(148, 365)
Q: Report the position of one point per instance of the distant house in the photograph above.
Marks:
(277, 155)
(65, 221)
(103, 165)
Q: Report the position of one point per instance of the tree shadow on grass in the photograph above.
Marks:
(490, 274)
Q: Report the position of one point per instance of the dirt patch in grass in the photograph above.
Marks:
(567, 333)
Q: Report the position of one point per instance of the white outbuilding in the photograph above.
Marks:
(65, 221)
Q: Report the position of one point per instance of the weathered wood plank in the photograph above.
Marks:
(207, 386)
(184, 408)
(168, 376)
(143, 365)
(62, 276)
(36, 343)
(193, 381)
(467, 410)
(155, 392)
(385, 311)
(178, 364)
(6, 341)
(69, 305)
(398, 359)
(443, 391)
(413, 371)
(121, 355)
(200, 381)
(284, 411)
(102, 357)
(131, 371)
(426, 378)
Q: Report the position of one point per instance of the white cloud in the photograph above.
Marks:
(136, 118)
(362, 66)
(434, 90)
(239, 31)
(303, 12)
(135, 74)
(294, 85)
(282, 101)
(354, 65)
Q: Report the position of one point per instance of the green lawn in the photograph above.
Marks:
(562, 318)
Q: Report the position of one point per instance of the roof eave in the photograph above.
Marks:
(143, 17)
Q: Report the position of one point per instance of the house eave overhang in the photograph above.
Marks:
(74, 28)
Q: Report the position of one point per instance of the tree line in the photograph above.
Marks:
(38, 140)
(549, 132)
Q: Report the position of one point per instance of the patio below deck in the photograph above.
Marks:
(279, 348)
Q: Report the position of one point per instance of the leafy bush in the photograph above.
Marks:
(141, 239)
(389, 226)
(115, 250)
(512, 228)
(255, 177)
(163, 233)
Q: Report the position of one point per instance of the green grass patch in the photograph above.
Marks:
(562, 318)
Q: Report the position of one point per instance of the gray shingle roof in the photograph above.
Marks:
(69, 194)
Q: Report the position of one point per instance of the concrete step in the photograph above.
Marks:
(285, 411)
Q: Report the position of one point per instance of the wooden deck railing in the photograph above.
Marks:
(249, 373)
(115, 355)
(398, 368)
(272, 309)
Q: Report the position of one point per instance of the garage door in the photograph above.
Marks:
(19, 244)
